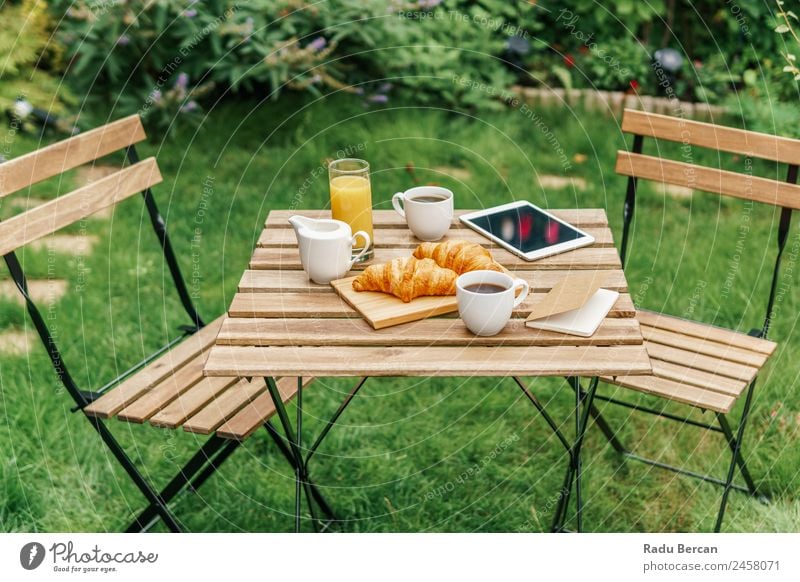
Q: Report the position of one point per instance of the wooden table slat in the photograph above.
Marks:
(426, 332)
(277, 281)
(428, 361)
(402, 238)
(330, 305)
(580, 217)
(288, 258)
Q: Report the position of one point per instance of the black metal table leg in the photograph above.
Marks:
(583, 406)
(295, 449)
(315, 492)
(329, 425)
(572, 474)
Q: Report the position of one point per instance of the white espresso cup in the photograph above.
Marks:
(428, 210)
(487, 298)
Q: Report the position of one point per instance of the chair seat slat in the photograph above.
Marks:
(162, 394)
(703, 346)
(253, 415)
(691, 359)
(224, 406)
(132, 388)
(676, 391)
(185, 405)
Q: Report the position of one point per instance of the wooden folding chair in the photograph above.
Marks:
(166, 389)
(701, 365)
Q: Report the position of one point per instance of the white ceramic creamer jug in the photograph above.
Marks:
(326, 247)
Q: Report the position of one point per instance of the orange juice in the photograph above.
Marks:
(351, 202)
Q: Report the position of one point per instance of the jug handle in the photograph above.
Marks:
(367, 242)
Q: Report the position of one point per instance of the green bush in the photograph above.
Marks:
(155, 57)
(29, 59)
(158, 58)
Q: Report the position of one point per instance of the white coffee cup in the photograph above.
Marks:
(429, 220)
(488, 313)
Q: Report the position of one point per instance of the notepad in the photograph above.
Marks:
(576, 305)
(583, 321)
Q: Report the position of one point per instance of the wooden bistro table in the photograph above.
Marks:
(282, 325)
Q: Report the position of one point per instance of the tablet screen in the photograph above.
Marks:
(526, 228)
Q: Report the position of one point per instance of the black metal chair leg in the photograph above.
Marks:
(731, 439)
(734, 460)
(150, 494)
(209, 456)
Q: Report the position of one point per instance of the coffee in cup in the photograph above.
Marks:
(486, 300)
(428, 210)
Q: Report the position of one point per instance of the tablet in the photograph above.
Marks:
(526, 230)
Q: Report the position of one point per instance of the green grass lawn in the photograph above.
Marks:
(396, 462)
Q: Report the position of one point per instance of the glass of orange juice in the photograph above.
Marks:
(351, 197)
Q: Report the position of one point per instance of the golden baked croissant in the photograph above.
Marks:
(459, 255)
(407, 278)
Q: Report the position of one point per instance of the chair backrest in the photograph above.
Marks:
(784, 194)
(60, 157)
(136, 177)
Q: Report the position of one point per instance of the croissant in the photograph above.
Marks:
(407, 278)
(459, 255)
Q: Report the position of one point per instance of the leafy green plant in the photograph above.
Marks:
(130, 53)
(29, 59)
(789, 21)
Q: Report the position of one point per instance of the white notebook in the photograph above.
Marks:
(582, 321)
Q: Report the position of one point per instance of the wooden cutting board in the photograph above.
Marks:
(384, 310)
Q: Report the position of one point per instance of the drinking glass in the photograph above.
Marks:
(351, 198)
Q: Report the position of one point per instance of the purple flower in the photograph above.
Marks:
(428, 3)
(315, 79)
(385, 87)
(123, 40)
(317, 44)
(378, 99)
(155, 96)
(358, 90)
(182, 81)
(189, 107)
(190, 13)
